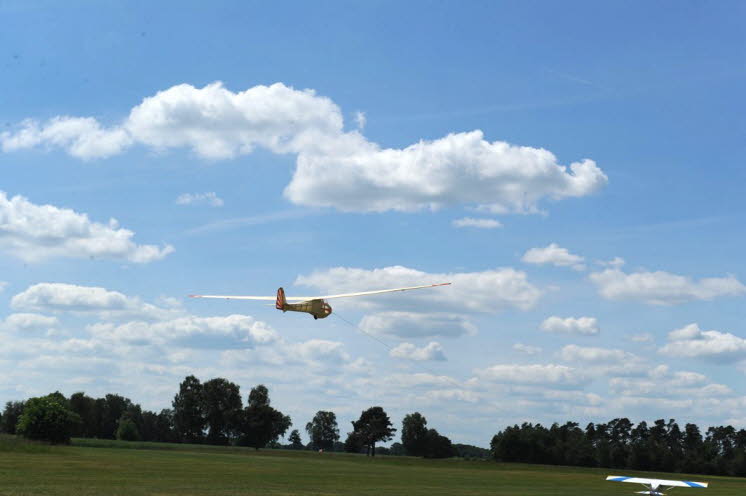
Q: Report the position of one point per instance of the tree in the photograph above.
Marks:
(414, 434)
(373, 426)
(295, 440)
(165, 426)
(354, 442)
(189, 417)
(222, 405)
(85, 407)
(438, 446)
(47, 419)
(260, 423)
(323, 430)
(149, 427)
(127, 430)
(112, 407)
(11, 415)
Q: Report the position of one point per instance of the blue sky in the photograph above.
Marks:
(515, 148)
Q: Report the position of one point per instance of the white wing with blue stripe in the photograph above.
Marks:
(655, 483)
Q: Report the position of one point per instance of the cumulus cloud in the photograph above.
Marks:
(663, 288)
(432, 352)
(3, 285)
(661, 383)
(600, 356)
(335, 168)
(61, 297)
(534, 374)
(555, 255)
(209, 198)
(690, 341)
(587, 326)
(417, 325)
(527, 349)
(82, 137)
(488, 291)
(477, 223)
(35, 232)
(29, 322)
(189, 331)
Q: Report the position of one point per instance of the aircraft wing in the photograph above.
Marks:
(227, 297)
(364, 293)
(306, 298)
(655, 482)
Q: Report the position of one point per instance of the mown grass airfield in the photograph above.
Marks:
(93, 467)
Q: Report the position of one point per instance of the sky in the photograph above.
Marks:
(575, 169)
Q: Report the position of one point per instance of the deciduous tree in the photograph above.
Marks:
(373, 426)
(323, 430)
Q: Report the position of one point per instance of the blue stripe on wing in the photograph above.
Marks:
(692, 484)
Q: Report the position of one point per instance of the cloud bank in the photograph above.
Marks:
(335, 168)
(36, 232)
(663, 288)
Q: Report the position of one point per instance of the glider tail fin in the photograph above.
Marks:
(281, 302)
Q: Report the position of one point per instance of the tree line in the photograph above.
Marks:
(661, 447)
(213, 413)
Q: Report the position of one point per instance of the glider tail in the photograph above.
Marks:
(281, 302)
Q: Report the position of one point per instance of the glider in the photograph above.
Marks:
(315, 305)
(655, 487)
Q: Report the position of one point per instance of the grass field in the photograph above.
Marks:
(118, 468)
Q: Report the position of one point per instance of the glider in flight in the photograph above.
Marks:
(315, 305)
(655, 487)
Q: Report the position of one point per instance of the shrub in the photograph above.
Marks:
(127, 430)
(47, 419)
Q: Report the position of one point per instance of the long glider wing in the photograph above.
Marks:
(364, 293)
(228, 297)
(327, 297)
(656, 482)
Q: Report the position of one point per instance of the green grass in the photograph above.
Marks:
(93, 467)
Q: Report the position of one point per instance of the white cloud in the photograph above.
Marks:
(432, 352)
(527, 349)
(334, 168)
(615, 262)
(663, 288)
(599, 356)
(29, 322)
(660, 383)
(535, 374)
(477, 223)
(35, 232)
(82, 137)
(321, 350)
(209, 198)
(690, 341)
(417, 325)
(3, 285)
(190, 332)
(488, 291)
(587, 326)
(555, 255)
(60, 297)
(645, 337)
(360, 119)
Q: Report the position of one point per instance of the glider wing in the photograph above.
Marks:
(307, 298)
(364, 293)
(655, 482)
